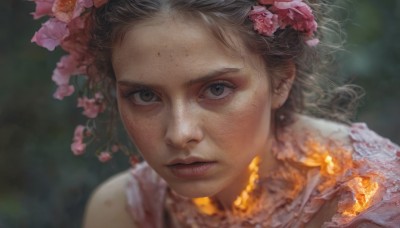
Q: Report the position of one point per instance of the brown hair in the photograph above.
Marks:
(313, 92)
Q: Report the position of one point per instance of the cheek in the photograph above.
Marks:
(247, 124)
(141, 130)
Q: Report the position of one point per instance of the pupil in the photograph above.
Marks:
(217, 90)
(146, 96)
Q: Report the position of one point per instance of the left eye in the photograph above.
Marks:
(218, 91)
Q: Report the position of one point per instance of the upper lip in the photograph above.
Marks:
(187, 161)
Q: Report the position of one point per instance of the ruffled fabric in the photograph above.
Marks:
(145, 194)
(376, 158)
(310, 175)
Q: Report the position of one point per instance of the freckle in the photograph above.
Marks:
(158, 54)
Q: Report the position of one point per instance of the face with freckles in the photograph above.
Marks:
(197, 111)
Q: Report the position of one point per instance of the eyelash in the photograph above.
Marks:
(131, 96)
(203, 93)
(225, 84)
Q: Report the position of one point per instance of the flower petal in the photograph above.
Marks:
(67, 10)
(43, 8)
(63, 91)
(104, 156)
(51, 34)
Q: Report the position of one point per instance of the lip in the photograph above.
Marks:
(190, 167)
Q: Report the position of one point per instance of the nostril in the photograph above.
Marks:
(183, 130)
(183, 140)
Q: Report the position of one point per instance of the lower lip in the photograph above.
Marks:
(195, 170)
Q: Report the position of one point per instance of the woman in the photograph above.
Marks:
(219, 99)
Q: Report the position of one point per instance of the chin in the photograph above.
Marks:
(195, 189)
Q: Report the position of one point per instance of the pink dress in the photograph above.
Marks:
(364, 181)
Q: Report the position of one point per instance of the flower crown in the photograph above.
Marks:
(271, 15)
(68, 28)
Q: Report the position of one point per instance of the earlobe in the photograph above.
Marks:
(282, 86)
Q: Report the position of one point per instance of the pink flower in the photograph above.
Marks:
(51, 34)
(77, 41)
(66, 10)
(77, 146)
(59, 77)
(295, 13)
(67, 66)
(265, 22)
(91, 107)
(63, 91)
(104, 156)
(43, 7)
(78, 133)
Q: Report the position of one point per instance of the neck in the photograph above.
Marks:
(238, 195)
(239, 198)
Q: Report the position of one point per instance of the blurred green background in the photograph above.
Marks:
(43, 185)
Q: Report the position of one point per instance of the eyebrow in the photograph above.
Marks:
(209, 76)
(213, 74)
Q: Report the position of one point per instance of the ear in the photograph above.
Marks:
(282, 84)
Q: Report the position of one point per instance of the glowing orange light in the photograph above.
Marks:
(329, 165)
(323, 160)
(365, 190)
(242, 202)
(205, 205)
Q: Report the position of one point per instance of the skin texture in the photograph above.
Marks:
(107, 206)
(181, 93)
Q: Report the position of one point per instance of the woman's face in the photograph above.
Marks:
(197, 111)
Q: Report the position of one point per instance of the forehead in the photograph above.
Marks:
(171, 44)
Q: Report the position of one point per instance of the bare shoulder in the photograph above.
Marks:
(107, 205)
(323, 129)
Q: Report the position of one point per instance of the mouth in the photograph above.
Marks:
(189, 168)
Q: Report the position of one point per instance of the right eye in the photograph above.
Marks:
(143, 97)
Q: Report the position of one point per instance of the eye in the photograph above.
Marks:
(218, 90)
(143, 97)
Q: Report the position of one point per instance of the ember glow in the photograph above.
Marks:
(365, 190)
(329, 165)
(330, 168)
(242, 202)
(322, 160)
(205, 205)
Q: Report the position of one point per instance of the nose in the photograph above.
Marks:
(183, 128)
